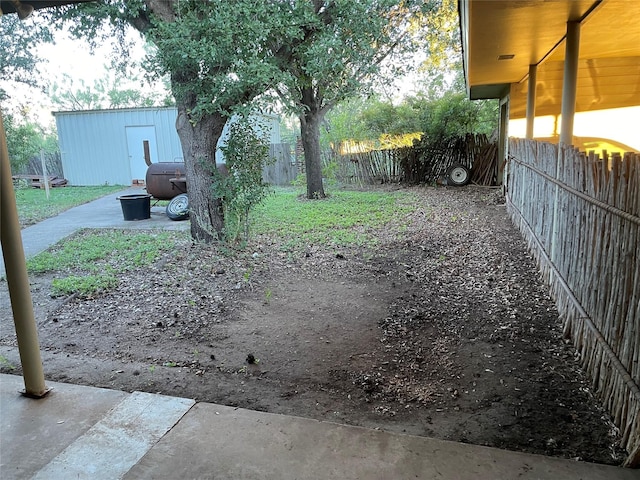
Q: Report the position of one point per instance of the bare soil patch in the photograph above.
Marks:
(444, 330)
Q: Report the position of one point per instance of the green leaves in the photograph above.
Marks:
(217, 52)
(340, 46)
(25, 140)
(455, 115)
(18, 59)
(441, 37)
(451, 114)
(242, 188)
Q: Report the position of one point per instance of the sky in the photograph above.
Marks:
(72, 57)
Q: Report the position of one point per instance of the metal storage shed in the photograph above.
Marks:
(101, 147)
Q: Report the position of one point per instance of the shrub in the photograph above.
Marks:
(241, 188)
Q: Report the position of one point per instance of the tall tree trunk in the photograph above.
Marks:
(199, 141)
(310, 122)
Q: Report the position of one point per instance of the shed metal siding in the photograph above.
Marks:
(89, 154)
(93, 144)
(271, 124)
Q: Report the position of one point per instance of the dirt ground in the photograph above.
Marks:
(443, 330)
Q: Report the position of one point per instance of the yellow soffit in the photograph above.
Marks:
(501, 38)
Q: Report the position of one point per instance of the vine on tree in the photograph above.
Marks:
(241, 186)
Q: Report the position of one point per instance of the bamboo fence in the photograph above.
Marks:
(424, 162)
(580, 215)
(368, 168)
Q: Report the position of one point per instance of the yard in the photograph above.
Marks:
(430, 321)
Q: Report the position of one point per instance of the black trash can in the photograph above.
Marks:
(136, 207)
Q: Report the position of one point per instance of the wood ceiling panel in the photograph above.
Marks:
(613, 30)
(533, 31)
(527, 29)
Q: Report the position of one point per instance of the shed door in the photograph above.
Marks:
(136, 136)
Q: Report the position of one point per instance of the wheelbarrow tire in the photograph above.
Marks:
(458, 175)
(178, 208)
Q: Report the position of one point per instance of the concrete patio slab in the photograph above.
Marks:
(114, 444)
(224, 443)
(34, 432)
(92, 433)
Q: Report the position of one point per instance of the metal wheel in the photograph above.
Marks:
(178, 208)
(458, 175)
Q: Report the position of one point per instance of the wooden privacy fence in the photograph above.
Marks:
(281, 171)
(52, 161)
(580, 215)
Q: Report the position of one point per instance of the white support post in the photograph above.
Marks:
(503, 139)
(570, 82)
(569, 91)
(531, 100)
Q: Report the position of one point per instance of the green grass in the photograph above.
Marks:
(91, 261)
(344, 218)
(84, 286)
(33, 205)
(4, 362)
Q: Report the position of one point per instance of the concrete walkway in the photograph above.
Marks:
(92, 433)
(104, 212)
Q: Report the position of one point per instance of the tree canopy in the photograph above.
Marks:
(373, 120)
(439, 109)
(18, 61)
(337, 50)
(219, 56)
(26, 139)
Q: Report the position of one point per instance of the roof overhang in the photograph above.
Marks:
(12, 6)
(480, 92)
(501, 38)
